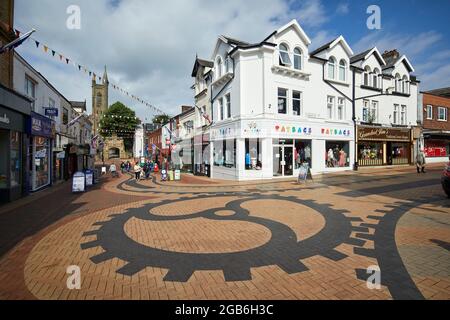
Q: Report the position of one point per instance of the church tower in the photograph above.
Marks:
(99, 100)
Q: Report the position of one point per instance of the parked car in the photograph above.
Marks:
(445, 179)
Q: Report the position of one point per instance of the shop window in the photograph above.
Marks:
(4, 183)
(437, 148)
(370, 154)
(41, 161)
(225, 153)
(253, 154)
(282, 100)
(296, 103)
(429, 112)
(442, 114)
(399, 153)
(302, 153)
(337, 154)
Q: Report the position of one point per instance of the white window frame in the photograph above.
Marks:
(32, 95)
(331, 66)
(341, 108)
(298, 57)
(403, 115)
(221, 110)
(286, 97)
(285, 59)
(227, 113)
(429, 109)
(374, 105)
(330, 106)
(342, 68)
(439, 114)
(366, 107)
(299, 100)
(396, 113)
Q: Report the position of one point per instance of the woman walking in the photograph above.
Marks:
(137, 171)
(420, 162)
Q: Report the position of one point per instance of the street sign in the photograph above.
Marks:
(79, 182)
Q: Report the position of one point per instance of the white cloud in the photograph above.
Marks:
(343, 8)
(149, 46)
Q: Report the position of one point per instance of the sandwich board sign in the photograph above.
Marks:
(79, 182)
(89, 178)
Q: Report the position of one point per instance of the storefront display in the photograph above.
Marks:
(253, 154)
(437, 148)
(337, 154)
(225, 153)
(302, 153)
(383, 146)
(370, 154)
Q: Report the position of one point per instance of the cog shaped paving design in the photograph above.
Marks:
(394, 274)
(282, 249)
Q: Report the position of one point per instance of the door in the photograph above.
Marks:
(283, 160)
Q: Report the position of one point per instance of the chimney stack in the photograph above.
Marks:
(393, 54)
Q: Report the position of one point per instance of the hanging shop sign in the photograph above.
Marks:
(79, 182)
(384, 134)
(51, 112)
(61, 155)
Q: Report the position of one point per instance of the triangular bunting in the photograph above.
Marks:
(37, 44)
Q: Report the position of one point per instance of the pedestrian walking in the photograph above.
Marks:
(420, 162)
(137, 171)
(113, 170)
(122, 167)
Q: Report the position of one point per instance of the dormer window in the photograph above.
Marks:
(331, 68)
(285, 60)
(375, 76)
(342, 70)
(298, 59)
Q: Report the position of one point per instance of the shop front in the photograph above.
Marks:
(40, 151)
(201, 154)
(266, 149)
(437, 146)
(379, 146)
(13, 154)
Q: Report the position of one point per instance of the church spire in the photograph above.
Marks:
(105, 77)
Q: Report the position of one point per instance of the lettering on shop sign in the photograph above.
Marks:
(252, 127)
(383, 134)
(4, 119)
(336, 132)
(293, 129)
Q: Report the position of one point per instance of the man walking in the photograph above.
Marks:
(420, 162)
(137, 171)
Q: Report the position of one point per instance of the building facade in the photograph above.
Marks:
(386, 100)
(277, 107)
(436, 125)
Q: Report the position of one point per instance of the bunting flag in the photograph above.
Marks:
(17, 42)
(80, 67)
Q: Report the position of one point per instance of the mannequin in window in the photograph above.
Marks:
(330, 158)
(342, 158)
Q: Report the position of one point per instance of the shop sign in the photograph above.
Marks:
(4, 119)
(336, 132)
(51, 112)
(252, 128)
(61, 155)
(222, 133)
(41, 126)
(79, 182)
(41, 153)
(293, 130)
(374, 134)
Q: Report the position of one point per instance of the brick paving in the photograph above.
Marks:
(202, 239)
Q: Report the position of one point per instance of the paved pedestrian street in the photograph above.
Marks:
(203, 239)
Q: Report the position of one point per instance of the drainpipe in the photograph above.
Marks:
(355, 165)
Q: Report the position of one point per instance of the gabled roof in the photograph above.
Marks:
(366, 54)
(201, 63)
(234, 41)
(332, 44)
(392, 62)
(293, 23)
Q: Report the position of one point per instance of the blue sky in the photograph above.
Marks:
(150, 45)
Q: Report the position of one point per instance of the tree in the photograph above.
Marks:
(120, 120)
(161, 119)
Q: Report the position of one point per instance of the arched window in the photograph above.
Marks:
(285, 60)
(219, 67)
(342, 70)
(298, 59)
(405, 84)
(375, 82)
(398, 83)
(331, 68)
(366, 76)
